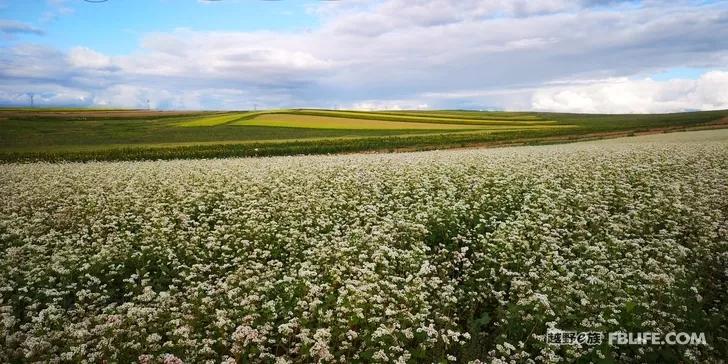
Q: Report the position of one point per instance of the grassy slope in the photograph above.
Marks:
(37, 135)
(45, 133)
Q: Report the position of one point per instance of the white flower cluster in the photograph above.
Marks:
(450, 256)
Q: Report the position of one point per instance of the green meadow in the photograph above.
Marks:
(79, 135)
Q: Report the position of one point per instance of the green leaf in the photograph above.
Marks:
(483, 320)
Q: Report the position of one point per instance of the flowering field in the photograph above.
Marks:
(421, 257)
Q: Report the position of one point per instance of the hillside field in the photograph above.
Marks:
(72, 134)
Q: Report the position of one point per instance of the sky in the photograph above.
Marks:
(594, 56)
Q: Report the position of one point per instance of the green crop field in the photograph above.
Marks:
(77, 134)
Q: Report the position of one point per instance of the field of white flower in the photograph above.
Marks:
(421, 257)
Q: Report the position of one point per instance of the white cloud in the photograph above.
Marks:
(259, 58)
(395, 53)
(32, 62)
(15, 27)
(83, 57)
(623, 95)
(47, 94)
(371, 105)
(56, 9)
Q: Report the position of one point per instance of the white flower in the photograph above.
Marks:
(334, 258)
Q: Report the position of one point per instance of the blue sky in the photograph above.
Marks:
(680, 73)
(115, 27)
(560, 55)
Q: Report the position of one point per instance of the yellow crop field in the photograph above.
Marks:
(212, 120)
(325, 122)
(442, 116)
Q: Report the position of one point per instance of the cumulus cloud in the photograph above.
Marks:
(398, 53)
(623, 95)
(369, 105)
(249, 57)
(32, 62)
(83, 57)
